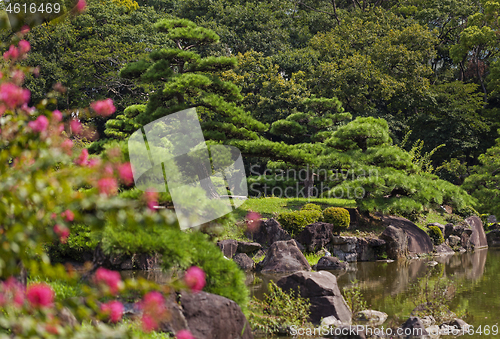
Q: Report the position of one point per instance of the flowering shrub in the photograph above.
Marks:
(46, 189)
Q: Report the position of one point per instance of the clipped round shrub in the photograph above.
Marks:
(311, 207)
(337, 216)
(436, 235)
(294, 222)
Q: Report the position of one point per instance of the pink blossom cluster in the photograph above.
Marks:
(195, 278)
(40, 295)
(62, 232)
(13, 96)
(125, 172)
(19, 52)
(107, 186)
(253, 220)
(113, 309)
(111, 279)
(11, 291)
(154, 310)
(68, 215)
(40, 124)
(151, 199)
(103, 107)
(184, 334)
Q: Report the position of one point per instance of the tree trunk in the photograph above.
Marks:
(309, 184)
(204, 173)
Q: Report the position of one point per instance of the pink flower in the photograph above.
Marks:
(13, 288)
(109, 278)
(25, 29)
(12, 53)
(114, 309)
(62, 232)
(80, 6)
(195, 279)
(125, 171)
(148, 323)
(153, 306)
(67, 146)
(40, 124)
(76, 126)
(94, 162)
(57, 115)
(13, 95)
(151, 199)
(184, 334)
(107, 186)
(253, 221)
(24, 47)
(40, 295)
(68, 215)
(103, 107)
(83, 158)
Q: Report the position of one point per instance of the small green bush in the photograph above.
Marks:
(294, 222)
(337, 216)
(278, 310)
(436, 235)
(311, 207)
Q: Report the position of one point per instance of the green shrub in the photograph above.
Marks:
(337, 216)
(311, 207)
(278, 310)
(436, 235)
(294, 222)
(80, 241)
(354, 298)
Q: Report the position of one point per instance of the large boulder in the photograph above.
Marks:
(229, 247)
(211, 316)
(444, 249)
(419, 242)
(248, 247)
(284, 256)
(478, 237)
(493, 238)
(244, 262)
(323, 293)
(374, 318)
(369, 248)
(268, 233)
(316, 236)
(396, 242)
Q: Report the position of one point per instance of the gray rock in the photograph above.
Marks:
(418, 241)
(492, 219)
(454, 241)
(248, 247)
(493, 238)
(414, 327)
(443, 249)
(374, 318)
(323, 293)
(368, 248)
(244, 262)
(478, 237)
(268, 233)
(330, 263)
(211, 316)
(229, 247)
(284, 256)
(396, 242)
(316, 236)
(349, 257)
(448, 230)
(341, 240)
(428, 320)
(176, 321)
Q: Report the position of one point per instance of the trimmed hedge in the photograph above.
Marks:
(337, 216)
(436, 235)
(311, 207)
(294, 222)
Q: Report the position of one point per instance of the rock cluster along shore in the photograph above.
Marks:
(400, 239)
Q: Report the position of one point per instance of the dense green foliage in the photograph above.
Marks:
(338, 217)
(311, 207)
(278, 310)
(436, 235)
(294, 222)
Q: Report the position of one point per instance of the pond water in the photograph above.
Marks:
(387, 286)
